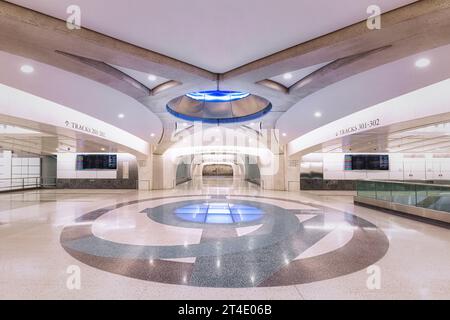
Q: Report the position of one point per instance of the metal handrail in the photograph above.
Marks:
(13, 184)
(408, 182)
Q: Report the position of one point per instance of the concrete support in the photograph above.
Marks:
(273, 179)
(163, 173)
(292, 173)
(145, 172)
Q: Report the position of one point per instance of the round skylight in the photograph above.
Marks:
(217, 95)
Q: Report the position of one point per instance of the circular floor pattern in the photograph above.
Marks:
(244, 243)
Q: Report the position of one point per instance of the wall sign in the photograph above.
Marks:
(84, 128)
(359, 127)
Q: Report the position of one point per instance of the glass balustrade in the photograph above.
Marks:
(430, 196)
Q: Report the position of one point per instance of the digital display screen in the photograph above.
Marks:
(96, 162)
(366, 162)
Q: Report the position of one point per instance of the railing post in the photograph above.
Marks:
(415, 193)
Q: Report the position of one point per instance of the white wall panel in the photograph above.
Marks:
(86, 174)
(107, 174)
(334, 175)
(401, 167)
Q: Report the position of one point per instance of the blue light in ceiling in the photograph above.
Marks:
(217, 95)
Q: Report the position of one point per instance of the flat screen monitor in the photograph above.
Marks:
(96, 162)
(367, 162)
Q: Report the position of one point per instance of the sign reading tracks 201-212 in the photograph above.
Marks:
(86, 129)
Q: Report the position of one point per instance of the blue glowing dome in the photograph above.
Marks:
(217, 95)
(217, 106)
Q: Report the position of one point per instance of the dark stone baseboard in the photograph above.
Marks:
(321, 184)
(95, 184)
(183, 180)
(254, 181)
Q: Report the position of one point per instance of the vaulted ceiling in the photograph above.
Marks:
(189, 45)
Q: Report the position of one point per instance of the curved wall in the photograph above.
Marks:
(364, 90)
(430, 101)
(22, 105)
(81, 94)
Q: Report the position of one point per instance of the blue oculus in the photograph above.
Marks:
(217, 95)
(218, 106)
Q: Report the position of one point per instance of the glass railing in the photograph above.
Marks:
(430, 196)
(13, 184)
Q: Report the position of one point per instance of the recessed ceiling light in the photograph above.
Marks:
(284, 134)
(121, 116)
(151, 77)
(26, 68)
(317, 114)
(423, 62)
(152, 135)
(287, 76)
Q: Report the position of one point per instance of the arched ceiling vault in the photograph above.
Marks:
(405, 31)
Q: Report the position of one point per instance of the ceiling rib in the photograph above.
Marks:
(330, 69)
(116, 73)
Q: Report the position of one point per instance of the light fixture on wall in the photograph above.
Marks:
(423, 62)
(287, 76)
(27, 69)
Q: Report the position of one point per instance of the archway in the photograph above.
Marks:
(224, 170)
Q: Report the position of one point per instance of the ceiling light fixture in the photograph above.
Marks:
(423, 62)
(317, 114)
(152, 135)
(151, 77)
(26, 69)
(219, 106)
(287, 76)
(284, 134)
(121, 116)
(217, 95)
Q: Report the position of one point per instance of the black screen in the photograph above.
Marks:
(358, 163)
(96, 161)
(367, 162)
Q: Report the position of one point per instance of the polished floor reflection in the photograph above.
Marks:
(218, 238)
